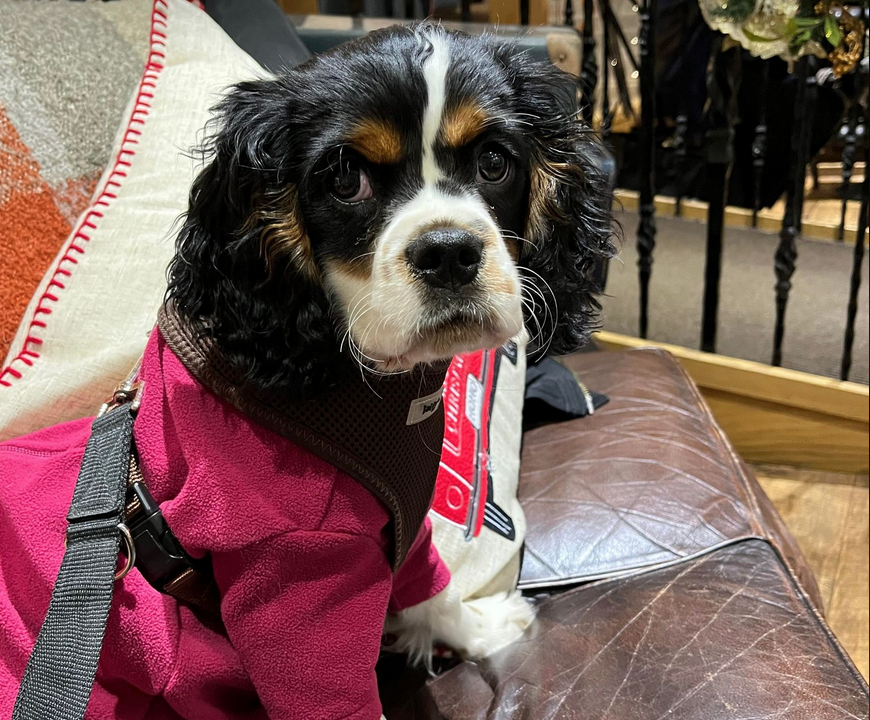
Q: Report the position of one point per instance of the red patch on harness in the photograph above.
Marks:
(463, 477)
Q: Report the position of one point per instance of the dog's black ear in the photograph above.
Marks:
(244, 271)
(568, 225)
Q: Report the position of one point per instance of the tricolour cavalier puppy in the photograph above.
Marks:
(398, 200)
(407, 197)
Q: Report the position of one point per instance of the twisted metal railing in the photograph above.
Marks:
(646, 229)
(721, 117)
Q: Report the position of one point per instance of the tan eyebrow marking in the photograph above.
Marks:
(378, 141)
(463, 123)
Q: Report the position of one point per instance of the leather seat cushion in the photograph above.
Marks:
(648, 480)
(723, 636)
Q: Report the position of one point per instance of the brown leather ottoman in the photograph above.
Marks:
(669, 587)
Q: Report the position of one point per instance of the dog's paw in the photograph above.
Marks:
(494, 622)
(475, 628)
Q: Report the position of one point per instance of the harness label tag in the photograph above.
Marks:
(424, 407)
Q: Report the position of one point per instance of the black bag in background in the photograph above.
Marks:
(554, 394)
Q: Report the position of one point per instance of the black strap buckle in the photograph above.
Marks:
(159, 556)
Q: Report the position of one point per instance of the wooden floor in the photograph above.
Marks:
(828, 515)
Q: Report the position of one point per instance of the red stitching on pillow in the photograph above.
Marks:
(153, 67)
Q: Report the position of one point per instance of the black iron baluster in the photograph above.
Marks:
(606, 115)
(723, 80)
(569, 13)
(589, 70)
(680, 145)
(807, 110)
(759, 146)
(848, 159)
(646, 231)
(681, 126)
(786, 252)
(857, 263)
(863, 79)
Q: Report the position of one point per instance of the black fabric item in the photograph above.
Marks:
(261, 29)
(60, 672)
(554, 394)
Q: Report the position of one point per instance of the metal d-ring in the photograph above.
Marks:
(130, 553)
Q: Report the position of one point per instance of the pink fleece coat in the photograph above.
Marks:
(298, 549)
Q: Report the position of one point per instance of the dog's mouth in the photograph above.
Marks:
(446, 333)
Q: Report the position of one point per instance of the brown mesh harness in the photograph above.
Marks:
(384, 432)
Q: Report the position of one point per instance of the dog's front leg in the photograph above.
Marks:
(474, 628)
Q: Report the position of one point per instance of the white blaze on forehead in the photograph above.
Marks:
(435, 75)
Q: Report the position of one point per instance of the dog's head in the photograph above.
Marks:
(406, 197)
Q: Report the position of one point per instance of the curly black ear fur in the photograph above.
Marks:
(243, 271)
(568, 227)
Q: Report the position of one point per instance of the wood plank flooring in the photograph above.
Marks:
(828, 515)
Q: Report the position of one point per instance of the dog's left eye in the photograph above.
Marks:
(492, 165)
(350, 183)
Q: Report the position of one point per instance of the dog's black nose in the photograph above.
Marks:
(446, 258)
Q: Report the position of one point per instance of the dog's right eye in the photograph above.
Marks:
(350, 183)
(493, 165)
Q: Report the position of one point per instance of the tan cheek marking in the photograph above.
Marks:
(403, 271)
(359, 267)
(498, 283)
(462, 124)
(283, 233)
(378, 141)
(495, 280)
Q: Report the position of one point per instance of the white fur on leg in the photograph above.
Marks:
(475, 628)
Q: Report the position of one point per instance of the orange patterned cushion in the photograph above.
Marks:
(66, 73)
